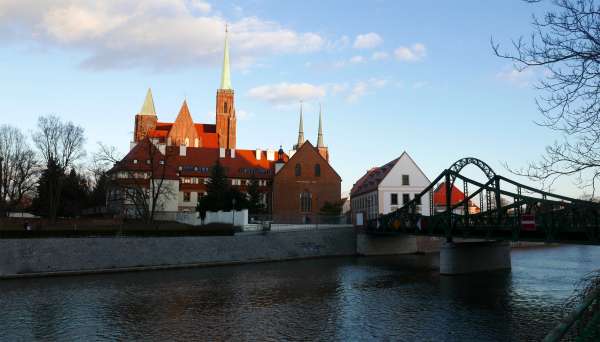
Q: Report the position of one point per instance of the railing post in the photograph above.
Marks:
(448, 207)
(498, 201)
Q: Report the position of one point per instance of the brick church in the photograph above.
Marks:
(294, 185)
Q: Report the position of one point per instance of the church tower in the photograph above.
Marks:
(323, 150)
(225, 111)
(146, 119)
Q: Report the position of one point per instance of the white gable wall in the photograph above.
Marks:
(392, 184)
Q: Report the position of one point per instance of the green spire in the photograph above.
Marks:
(148, 106)
(300, 129)
(320, 137)
(225, 76)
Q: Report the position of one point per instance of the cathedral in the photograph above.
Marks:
(294, 185)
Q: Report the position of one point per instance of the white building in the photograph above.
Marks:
(386, 188)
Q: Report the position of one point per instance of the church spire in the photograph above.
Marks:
(225, 75)
(148, 106)
(300, 130)
(320, 137)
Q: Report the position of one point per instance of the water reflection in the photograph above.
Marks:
(393, 298)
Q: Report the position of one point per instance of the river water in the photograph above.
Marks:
(399, 298)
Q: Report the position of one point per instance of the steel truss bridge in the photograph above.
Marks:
(507, 210)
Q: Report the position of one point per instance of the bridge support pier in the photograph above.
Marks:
(470, 257)
(367, 244)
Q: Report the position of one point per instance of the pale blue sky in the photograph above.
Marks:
(422, 78)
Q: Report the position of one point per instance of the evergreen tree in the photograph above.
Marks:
(254, 201)
(50, 176)
(217, 191)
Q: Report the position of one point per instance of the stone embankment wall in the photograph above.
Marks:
(31, 257)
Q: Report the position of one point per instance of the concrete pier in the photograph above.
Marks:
(368, 244)
(470, 257)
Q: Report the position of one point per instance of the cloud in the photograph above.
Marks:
(380, 56)
(361, 88)
(515, 77)
(287, 93)
(367, 41)
(410, 53)
(151, 33)
(357, 59)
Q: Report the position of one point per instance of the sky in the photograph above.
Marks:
(391, 76)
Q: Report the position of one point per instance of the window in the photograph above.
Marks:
(162, 162)
(305, 201)
(318, 170)
(135, 161)
(405, 198)
(186, 196)
(298, 170)
(418, 199)
(148, 161)
(225, 107)
(405, 180)
(394, 199)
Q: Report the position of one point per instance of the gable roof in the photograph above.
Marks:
(370, 181)
(307, 145)
(456, 196)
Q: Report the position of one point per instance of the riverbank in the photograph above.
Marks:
(74, 255)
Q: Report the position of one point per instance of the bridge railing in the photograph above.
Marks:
(504, 206)
(582, 324)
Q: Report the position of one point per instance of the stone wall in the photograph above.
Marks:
(30, 257)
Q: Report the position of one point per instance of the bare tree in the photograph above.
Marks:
(60, 144)
(139, 179)
(18, 166)
(565, 43)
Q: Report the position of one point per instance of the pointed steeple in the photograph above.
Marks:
(300, 130)
(320, 137)
(225, 75)
(148, 106)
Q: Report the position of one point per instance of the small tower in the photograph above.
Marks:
(280, 160)
(146, 119)
(323, 150)
(225, 111)
(300, 131)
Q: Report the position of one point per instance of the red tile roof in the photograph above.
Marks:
(199, 160)
(456, 196)
(206, 132)
(370, 181)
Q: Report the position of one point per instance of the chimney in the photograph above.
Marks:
(270, 155)
(221, 152)
(258, 154)
(182, 150)
(232, 151)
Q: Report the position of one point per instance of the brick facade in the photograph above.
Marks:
(226, 121)
(288, 187)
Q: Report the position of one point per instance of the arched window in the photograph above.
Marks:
(225, 107)
(305, 201)
(298, 170)
(187, 142)
(318, 170)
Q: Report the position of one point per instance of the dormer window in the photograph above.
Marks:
(135, 161)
